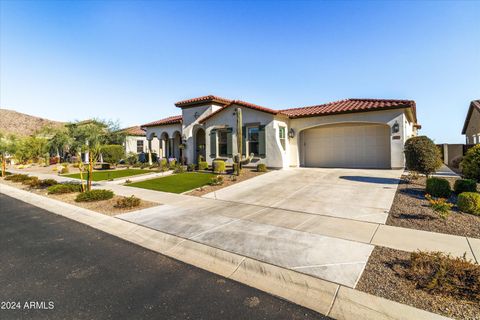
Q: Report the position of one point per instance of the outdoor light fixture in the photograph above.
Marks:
(184, 139)
(395, 127)
(291, 133)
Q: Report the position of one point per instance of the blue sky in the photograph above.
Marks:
(131, 60)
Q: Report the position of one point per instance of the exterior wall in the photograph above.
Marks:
(473, 129)
(388, 117)
(226, 118)
(130, 144)
(155, 134)
(450, 152)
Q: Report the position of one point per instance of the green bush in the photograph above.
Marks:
(438, 187)
(64, 170)
(471, 163)
(440, 205)
(465, 185)
(261, 167)
(172, 164)
(45, 183)
(422, 155)
(219, 166)
(203, 165)
(179, 169)
(112, 153)
(132, 158)
(216, 181)
(105, 166)
(191, 167)
(94, 195)
(469, 202)
(32, 182)
(64, 188)
(127, 202)
(17, 177)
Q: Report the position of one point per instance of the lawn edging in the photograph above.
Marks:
(319, 295)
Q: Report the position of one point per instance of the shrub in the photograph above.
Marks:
(179, 169)
(235, 167)
(471, 163)
(261, 167)
(440, 206)
(437, 272)
(45, 183)
(469, 202)
(191, 167)
(127, 202)
(203, 165)
(465, 185)
(163, 165)
(94, 195)
(438, 187)
(412, 176)
(64, 188)
(422, 155)
(456, 162)
(216, 181)
(32, 182)
(112, 153)
(219, 166)
(64, 170)
(172, 164)
(18, 177)
(132, 158)
(105, 166)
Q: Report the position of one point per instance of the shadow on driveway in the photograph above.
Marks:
(377, 180)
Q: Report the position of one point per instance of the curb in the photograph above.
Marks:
(319, 295)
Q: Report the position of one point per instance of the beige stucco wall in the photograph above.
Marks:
(473, 128)
(131, 144)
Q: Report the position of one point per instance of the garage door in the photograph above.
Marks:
(347, 146)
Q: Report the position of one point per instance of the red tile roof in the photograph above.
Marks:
(240, 103)
(475, 104)
(169, 120)
(209, 98)
(348, 106)
(134, 131)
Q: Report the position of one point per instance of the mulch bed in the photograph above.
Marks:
(410, 210)
(228, 181)
(383, 276)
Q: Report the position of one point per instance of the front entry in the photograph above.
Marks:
(200, 144)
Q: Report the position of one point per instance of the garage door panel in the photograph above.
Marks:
(351, 145)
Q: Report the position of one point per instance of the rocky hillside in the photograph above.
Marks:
(13, 122)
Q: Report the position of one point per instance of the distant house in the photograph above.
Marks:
(136, 141)
(471, 128)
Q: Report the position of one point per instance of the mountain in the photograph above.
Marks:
(21, 124)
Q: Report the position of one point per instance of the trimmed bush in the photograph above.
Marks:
(469, 202)
(32, 182)
(94, 195)
(172, 164)
(17, 177)
(191, 167)
(471, 163)
(64, 188)
(465, 185)
(203, 165)
(422, 155)
(112, 153)
(132, 158)
(45, 183)
(219, 166)
(179, 169)
(261, 167)
(216, 181)
(438, 187)
(127, 202)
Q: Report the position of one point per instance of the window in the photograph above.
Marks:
(222, 143)
(252, 140)
(139, 146)
(281, 135)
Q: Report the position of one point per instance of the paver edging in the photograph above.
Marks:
(313, 293)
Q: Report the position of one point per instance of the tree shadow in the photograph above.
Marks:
(377, 180)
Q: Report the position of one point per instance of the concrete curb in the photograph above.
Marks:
(319, 295)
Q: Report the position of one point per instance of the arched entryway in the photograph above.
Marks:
(164, 145)
(176, 142)
(200, 144)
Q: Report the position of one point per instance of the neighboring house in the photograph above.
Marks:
(136, 142)
(356, 133)
(471, 128)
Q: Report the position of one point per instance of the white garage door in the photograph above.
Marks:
(347, 146)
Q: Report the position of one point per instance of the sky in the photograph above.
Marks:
(132, 60)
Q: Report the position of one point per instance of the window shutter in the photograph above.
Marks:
(213, 143)
(261, 141)
(229, 142)
(244, 144)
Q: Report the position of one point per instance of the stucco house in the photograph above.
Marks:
(136, 141)
(471, 127)
(356, 133)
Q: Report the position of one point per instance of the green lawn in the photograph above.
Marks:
(109, 174)
(175, 183)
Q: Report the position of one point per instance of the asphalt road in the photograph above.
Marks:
(55, 268)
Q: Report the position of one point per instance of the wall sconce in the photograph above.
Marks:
(395, 127)
(291, 133)
(184, 139)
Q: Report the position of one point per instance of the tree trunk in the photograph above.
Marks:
(90, 173)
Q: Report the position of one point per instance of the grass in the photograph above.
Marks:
(175, 183)
(110, 174)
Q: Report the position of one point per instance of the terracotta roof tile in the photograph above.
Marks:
(169, 120)
(209, 98)
(240, 103)
(134, 131)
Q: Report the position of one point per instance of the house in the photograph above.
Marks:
(136, 141)
(471, 127)
(356, 133)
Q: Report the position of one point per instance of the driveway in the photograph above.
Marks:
(357, 194)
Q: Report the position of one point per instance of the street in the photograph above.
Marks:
(54, 268)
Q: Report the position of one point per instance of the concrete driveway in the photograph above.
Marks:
(358, 194)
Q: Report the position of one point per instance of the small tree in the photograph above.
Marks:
(422, 155)
(471, 163)
(112, 153)
(7, 148)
